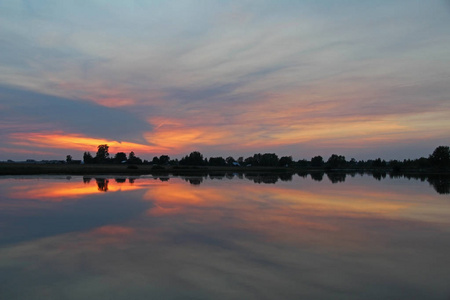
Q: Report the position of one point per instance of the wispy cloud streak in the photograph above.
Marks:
(229, 75)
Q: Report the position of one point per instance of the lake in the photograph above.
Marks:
(225, 236)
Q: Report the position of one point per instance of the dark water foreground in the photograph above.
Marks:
(225, 236)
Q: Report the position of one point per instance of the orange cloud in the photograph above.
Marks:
(60, 140)
(262, 130)
(108, 95)
(178, 137)
(283, 119)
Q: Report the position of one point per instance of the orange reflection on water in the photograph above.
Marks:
(326, 216)
(302, 211)
(181, 196)
(59, 191)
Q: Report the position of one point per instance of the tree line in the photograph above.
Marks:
(439, 159)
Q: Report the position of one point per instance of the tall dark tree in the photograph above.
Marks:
(133, 159)
(131, 156)
(87, 158)
(102, 155)
(196, 158)
(440, 157)
(336, 161)
(69, 159)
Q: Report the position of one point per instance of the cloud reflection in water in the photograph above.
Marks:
(227, 238)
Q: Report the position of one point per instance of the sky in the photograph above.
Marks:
(363, 79)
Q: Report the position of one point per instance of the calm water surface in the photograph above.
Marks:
(223, 238)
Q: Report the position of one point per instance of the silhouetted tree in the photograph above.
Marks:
(440, 157)
(336, 161)
(102, 155)
(217, 161)
(269, 160)
(250, 161)
(133, 159)
(131, 156)
(303, 163)
(69, 159)
(317, 161)
(164, 159)
(378, 163)
(256, 159)
(423, 162)
(195, 159)
(120, 157)
(286, 161)
(395, 165)
(230, 160)
(87, 158)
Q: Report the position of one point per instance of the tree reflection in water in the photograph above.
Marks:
(102, 184)
(336, 177)
(439, 182)
(317, 176)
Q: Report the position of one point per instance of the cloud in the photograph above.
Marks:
(233, 75)
(205, 239)
(33, 112)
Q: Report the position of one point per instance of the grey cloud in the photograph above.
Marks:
(37, 109)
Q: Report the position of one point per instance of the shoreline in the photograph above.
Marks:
(116, 169)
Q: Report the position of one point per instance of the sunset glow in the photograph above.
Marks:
(59, 140)
(301, 78)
